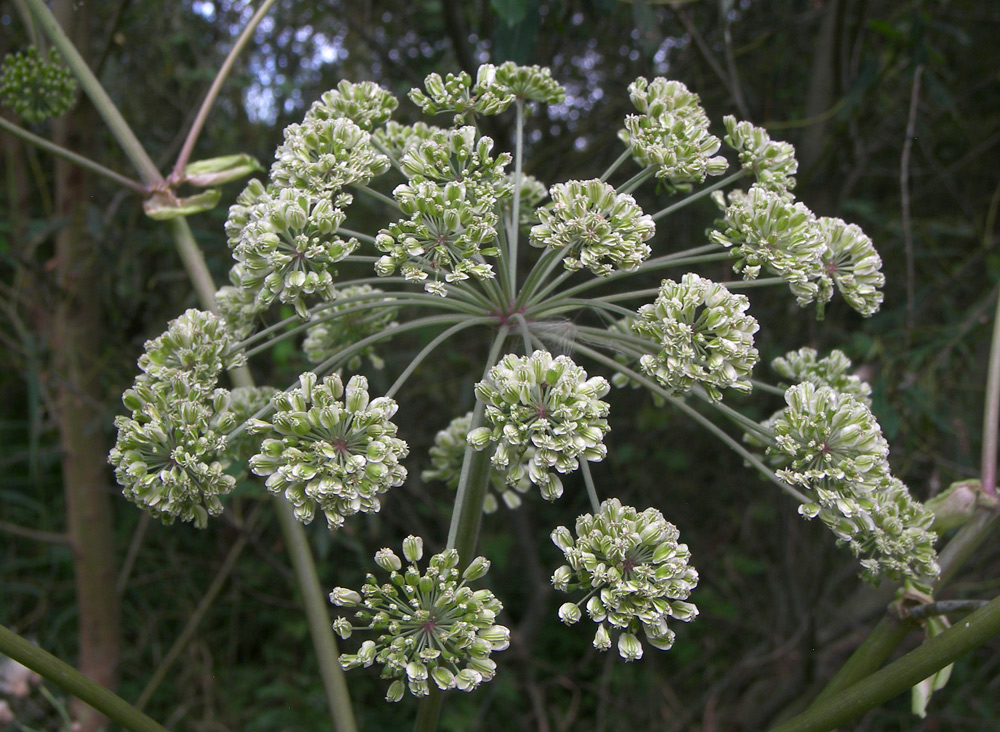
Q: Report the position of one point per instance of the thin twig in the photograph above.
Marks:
(904, 186)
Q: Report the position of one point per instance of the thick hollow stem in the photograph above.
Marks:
(928, 658)
(73, 682)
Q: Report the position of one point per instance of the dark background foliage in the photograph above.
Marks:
(780, 606)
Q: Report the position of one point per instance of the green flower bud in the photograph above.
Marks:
(569, 613)
(479, 567)
(413, 548)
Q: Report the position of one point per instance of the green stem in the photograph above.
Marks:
(78, 160)
(468, 511)
(588, 479)
(429, 349)
(376, 195)
(700, 194)
(366, 238)
(92, 87)
(216, 87)
(991, 412)
(515, 216)
(429, 711)
(636, 180)
(748, 284)
(318, 617)
(615, 165)
(696, 416)
(73, 682)
(904, 673)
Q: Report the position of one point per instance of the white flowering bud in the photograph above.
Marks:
(413, 548)
(602, 639)
(629, 647)
(498, 636)
(443, 678)
(342, 627)
(468, 679)
(366, 654)
(395, 693)
(569, 613)
(479, 438)
(343, 597)
(561, 578)
(386, 558)
(479, 567)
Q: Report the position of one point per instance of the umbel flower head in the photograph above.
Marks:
(286, 245)
(702, 335)
(365, 103)
(196, 345)
(830, 447)
(35, 88)
(671, 134)
(343, 324)
(771, 162)
(167, 456)
(531, 83)
(447, 232)
(432, 627)
(634, 573)
(447, 455)
(330, 455)
(766, 230)
(833, 371)
(395, 138)
(456, 93)
(851, 261)
(546, 403)
(321, 156)
(601, 230)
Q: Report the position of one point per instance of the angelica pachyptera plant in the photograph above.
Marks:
(451, 257)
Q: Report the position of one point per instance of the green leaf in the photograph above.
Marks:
(164, 205)
(215, 171)
(511, 12)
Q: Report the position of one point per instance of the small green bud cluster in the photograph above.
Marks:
(447, 455)
(533, 192)
(326, 454)
(546, 403)
(322, 156)
(671, 134)
(432, 627)
(395, 139)
(451, 197)
(244, 404)
(601, 230)
(340, 326)
(495, 90)
(366, 104)
(768, 230)
(830, 446)
(702, 334)
(285, 244)
(772, 163)
(35, 88)
(833, 371)
(634, 572)
(169, 455)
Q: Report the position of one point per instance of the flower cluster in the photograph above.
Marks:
(432, 626)
(451, 201)
(702, 334)
(447, 455)
(851, 261)
(348, 320)
(34, 88)
(285, 243)
(329, 455)
(833, 371)
(671, 134)
(169, 454)
(531, 83)
(634, 572)
(456, 93)
(768, 231)
(599, 229)
(395, 138)
(546, 403)
(830, 446)
(771, 162)
(321, 156)
(366, 104)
